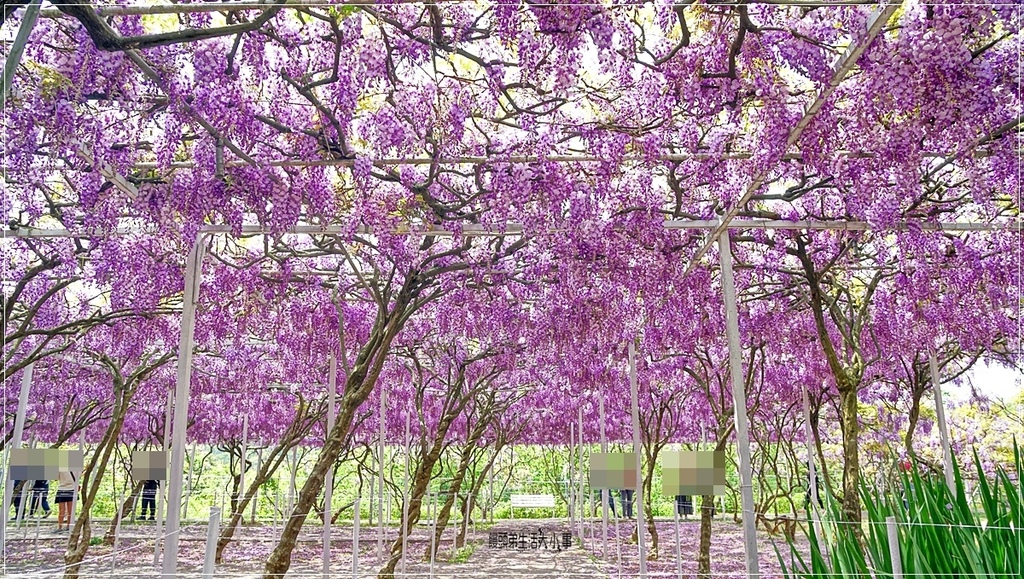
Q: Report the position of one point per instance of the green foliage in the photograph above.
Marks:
(464, 553)
(939, 534)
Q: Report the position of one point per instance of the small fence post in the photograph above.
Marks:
(212, 531)
(894, 547)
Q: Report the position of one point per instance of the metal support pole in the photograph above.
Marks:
(605, 495)
(212, 531)
(579, 475)
(117, 534)
(405, 495)
(380, 478)
(17, 49)
(332, 381)
(940, 413)
(19, 430)
(245, 452)
(163, 483)
(433, 531)
(679, 549)
(812, 472)
(291, 489)
(641, 532)
(256, 493)
(569, 495)
(894, 547)
(355, 539)
(193, 278)
(739, 398)
(74, 497)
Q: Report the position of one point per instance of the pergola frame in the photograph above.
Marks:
(717, 228)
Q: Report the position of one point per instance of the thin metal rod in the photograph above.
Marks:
(332, 380)
(355, 539)
(570, 495)
(510, 229)
(405, 494)
(28, 22)
(380, 477)
(106, 11)
(193, 278)
(641, 532)
(19, 430)
(605, 494)
(940, 414)
(739, 398)
(162, 489)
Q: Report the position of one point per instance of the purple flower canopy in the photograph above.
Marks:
(499, 183)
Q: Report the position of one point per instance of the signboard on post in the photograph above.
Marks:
(533, 501)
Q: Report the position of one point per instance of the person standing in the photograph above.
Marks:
(626, 496)
(40, 498)
(16, 498)
(149, 489)
(67, 486)
(684, 505)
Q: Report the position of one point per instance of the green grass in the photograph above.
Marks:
(463, 554)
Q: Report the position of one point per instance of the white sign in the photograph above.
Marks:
(525, 501)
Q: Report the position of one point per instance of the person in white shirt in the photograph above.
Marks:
(67, 485)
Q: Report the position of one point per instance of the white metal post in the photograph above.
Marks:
(193, 278)
(679, 550)
(355, 539)
(332, 381)
(119, 505)
(19, 430)
(291, 489)
(571, 502)
(579, 475)
(163, 483)
(940, 413)
(380, 478)
(74, 497)
(605, 494)
(638, 501)
(212, 531)
(405, 495)
(256, 494)
(739, 399)
(812, 472)
(894, 547)
(433, 531)
(245, 452)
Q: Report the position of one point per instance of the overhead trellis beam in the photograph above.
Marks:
(512, 229)
(876, 23)
(520, 159)
(106, 11)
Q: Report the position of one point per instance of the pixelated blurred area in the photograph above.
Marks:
(613, 470)
(43, 463)
(149, 465)
(688, 472)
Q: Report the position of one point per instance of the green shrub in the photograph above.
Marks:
(940, 535)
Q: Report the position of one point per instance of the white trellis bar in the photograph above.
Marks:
(509, 229)
(106, 11)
